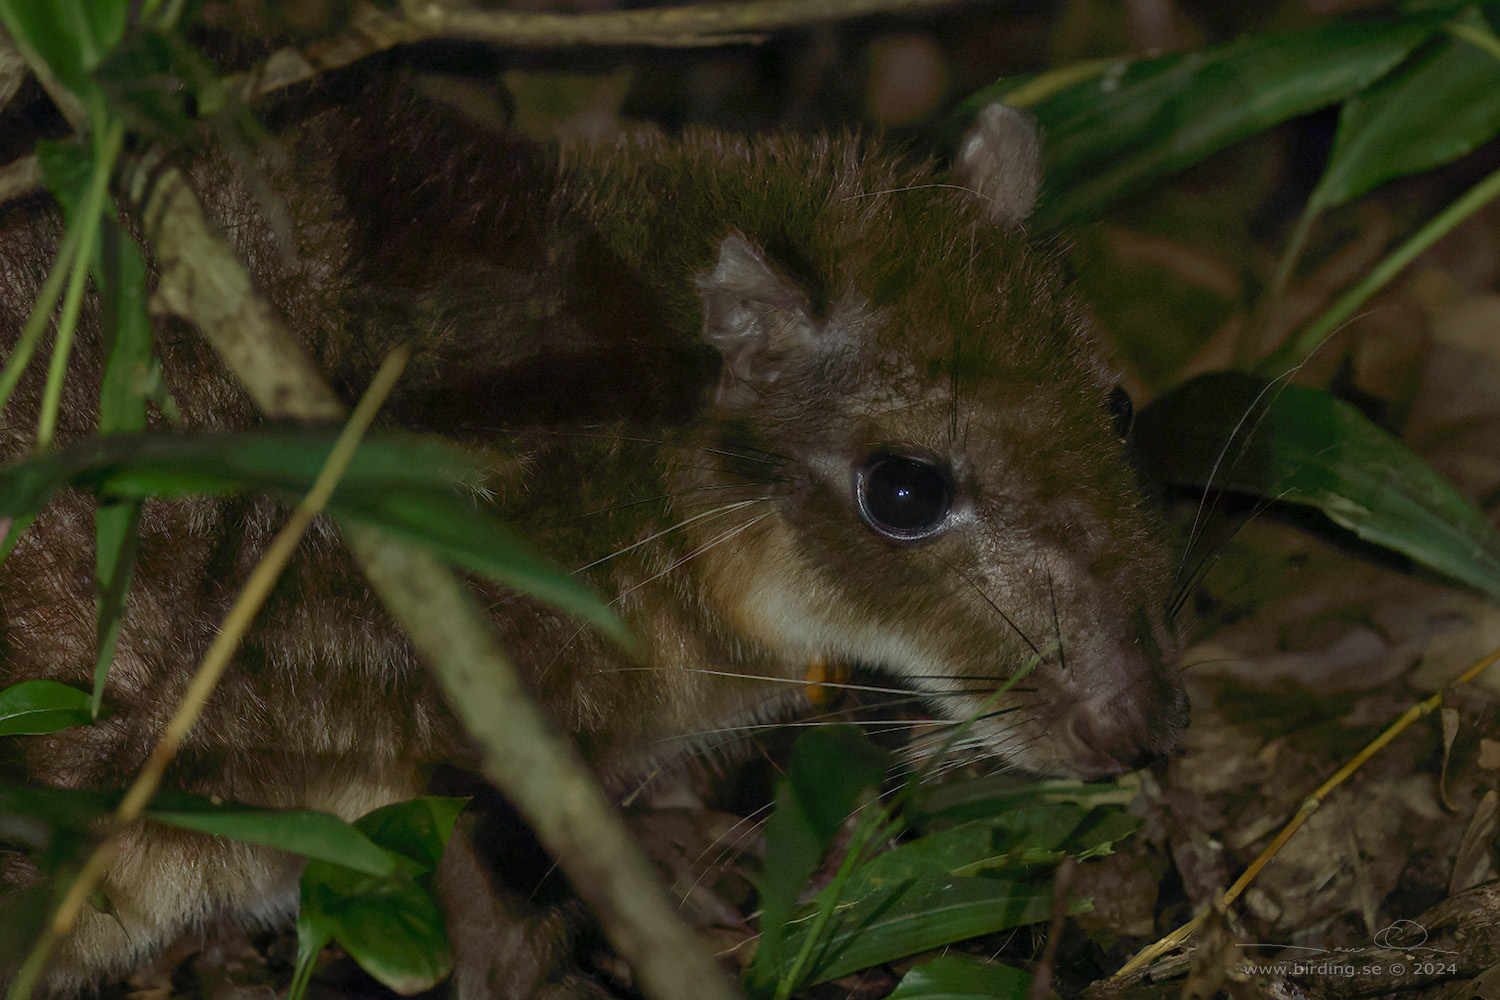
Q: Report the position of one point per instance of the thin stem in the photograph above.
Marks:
(91, 212)
(1297, 351)
(41, 314)
(1309, 806)
(1480, 38)
(870, 825)
(215, 661)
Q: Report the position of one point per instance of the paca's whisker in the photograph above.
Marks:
(995, 607)
(749, 728)
(677, 564)
(672, 567)
(1211, 556)
(613, 508)
(1209, 489)
(991, 680)
(1204, 661)
(740, 831)
(677, 526)
(948, 735)
(794, 681)
(742, 478)
(1062, 658)
(934, 186)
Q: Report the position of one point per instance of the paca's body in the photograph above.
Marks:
(780, 399)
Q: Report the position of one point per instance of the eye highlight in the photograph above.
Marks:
(903, 499)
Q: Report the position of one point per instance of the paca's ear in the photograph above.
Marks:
(1000, 159)
(758, 319)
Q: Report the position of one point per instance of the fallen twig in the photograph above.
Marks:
(1309, 806)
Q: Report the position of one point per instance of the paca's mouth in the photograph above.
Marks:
(1079, 734)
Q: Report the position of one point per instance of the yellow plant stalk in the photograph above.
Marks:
(215, 662)
(1309, 806)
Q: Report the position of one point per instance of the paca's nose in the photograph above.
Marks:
(1122, 730)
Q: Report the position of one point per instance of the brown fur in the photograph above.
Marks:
(675, 352)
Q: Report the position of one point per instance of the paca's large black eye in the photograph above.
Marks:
(1122, 410)
(903, 499)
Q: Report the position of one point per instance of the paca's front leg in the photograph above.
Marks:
(508, 944)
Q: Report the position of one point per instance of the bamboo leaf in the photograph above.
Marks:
(959, 977)
(120, 274)
(1028, 836)
(1131, 122)
(418, 488)
(34, 707)
(1236, 432)
(924, 914)
(830, 770)
(313, 834)
(1428, 114)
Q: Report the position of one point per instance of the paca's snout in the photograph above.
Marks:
(1126, 726)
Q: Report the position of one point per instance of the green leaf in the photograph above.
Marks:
(454, 527)
(412, 487)
(959, 977)
(392, 926)
(67, 167)
(70, 37)
(120, 274)
(63, 808)
(161, 84)
(1028, 836)
(314, 834)
(1236, 432)
(1420, 6)
(831, 769)
(996, 794)
(116, 530)
(33, 707)
(924, 914)
(313, 934)
(1132, 122)
(1433, 112)
(924, 893)
(417, 829)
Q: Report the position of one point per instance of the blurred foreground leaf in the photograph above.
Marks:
(411, 487)
(307, 832)
(33, 707)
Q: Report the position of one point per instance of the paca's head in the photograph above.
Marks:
(946, 492)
